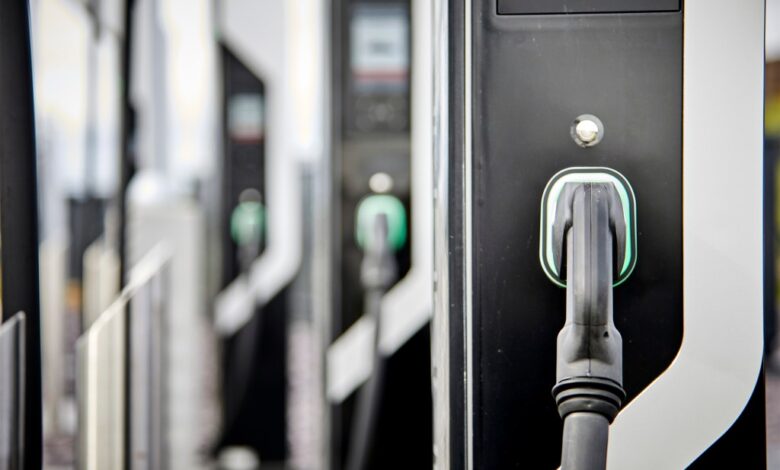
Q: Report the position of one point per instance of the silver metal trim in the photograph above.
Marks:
(101, 370)
(12, 392)
(467, 234)
(440, 346)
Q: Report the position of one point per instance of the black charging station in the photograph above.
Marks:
(371, 57)
(521, 76)
(255, 357)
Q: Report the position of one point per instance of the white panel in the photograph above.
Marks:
(260, 32)
(101, 385)
(191, 112)
(12, 392)
(101, 279)
(707, 386)
(101, 368)
(53, 255)
(407, 307)
(61, 39)
(308, 77)
(191, 378)
(350, 360)
(107, 125)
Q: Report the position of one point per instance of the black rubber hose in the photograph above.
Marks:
(370, 397)
(377, 273)
(241, 361)
(585, 438)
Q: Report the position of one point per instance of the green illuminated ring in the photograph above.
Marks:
(550, 203)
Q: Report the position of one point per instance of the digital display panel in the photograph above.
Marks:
(379, 52)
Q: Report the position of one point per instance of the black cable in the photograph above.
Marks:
(589, 236)
(585, 437)
(370, 396)
(242, 362)
(378, 271)
(125, 173)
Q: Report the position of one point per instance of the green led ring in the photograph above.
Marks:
(247, 222)
(371, 206)
(549, 204)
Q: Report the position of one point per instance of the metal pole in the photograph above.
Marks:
(126, 167)
(126, 154)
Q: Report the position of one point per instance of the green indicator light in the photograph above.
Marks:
(372, 206)
(247, 223)
(549, 206)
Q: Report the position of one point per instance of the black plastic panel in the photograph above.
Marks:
(254, 383)
(244, 149)
(533, 75)
(538, 7)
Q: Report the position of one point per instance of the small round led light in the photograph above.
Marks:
(587, 130)
(380, 183)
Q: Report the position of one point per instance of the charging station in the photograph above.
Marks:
(378, 362)
(274, 138)
(254, 402)
(598, 222)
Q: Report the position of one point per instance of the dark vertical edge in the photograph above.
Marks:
(456, 210)
(125, 151)
(19, 207)
(771, 146)
(336, 24)
(228, 271)
(125, 173)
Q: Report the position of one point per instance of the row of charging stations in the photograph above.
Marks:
(587, 235)
(376, 165)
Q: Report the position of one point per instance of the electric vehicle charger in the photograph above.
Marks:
(587, 244)
(380, 230)
(525, 88)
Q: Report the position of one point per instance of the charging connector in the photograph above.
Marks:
(590, 239)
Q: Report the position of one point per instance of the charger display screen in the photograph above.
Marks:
(379, 52)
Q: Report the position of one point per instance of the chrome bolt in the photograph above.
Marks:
(587, 130)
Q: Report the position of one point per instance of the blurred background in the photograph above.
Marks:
(207, 175)
(202, 170)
